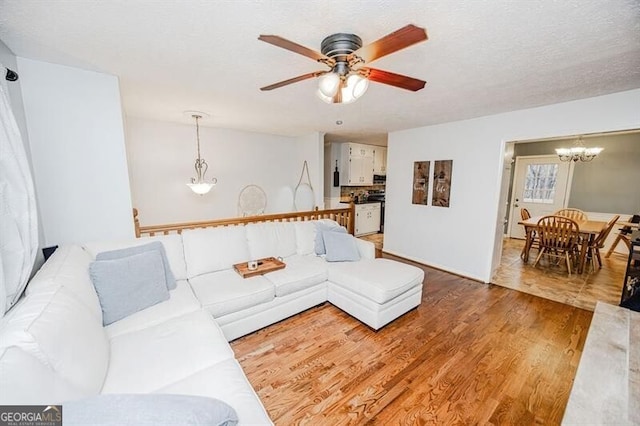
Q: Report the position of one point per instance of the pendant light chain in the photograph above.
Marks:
(197, 117)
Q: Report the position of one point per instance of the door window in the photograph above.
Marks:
(540, 183)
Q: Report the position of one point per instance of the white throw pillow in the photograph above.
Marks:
(321, 228)
(172, 244)
(150, 409)
(340, 247)
(130, 251)
(129, 284)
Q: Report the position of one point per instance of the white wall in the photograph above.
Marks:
(74, 121)
(461, 238)
(310, 148)
(161, 157)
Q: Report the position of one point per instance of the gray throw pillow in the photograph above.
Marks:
(148, 409)
(156, 245)
(340, 247)
(320, 229)
(128, 285)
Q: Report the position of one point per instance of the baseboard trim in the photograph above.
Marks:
(439, 268)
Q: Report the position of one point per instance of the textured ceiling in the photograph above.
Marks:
(482, 57)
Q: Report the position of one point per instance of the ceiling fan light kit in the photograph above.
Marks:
(329, 84)
(347, 79)
(350, 90)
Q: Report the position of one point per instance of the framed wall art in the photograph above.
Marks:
(441, 182)
(420, 182)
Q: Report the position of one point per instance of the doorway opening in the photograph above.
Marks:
(533, 178)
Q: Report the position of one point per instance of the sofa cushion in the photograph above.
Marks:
(59, 331)
(130, 251)
(224, 292)
(301, 272)
(225, 381)
(27, 379)
(340, 247)
(181, 301)
(214, 249)
(129, 284)
(377, 279)
(151, 409)
(305, 237)
(145, 360)
(172, 246)
(271, 239)
(68, 267)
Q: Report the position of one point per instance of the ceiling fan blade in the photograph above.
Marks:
(397, 40)
(392, 79)
(294, 47)
(293, 80)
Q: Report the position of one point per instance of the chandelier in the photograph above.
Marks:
(199, 184)
(578, 152)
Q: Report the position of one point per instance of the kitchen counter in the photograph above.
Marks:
(360, 202)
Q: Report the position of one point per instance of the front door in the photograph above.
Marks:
(541, 185)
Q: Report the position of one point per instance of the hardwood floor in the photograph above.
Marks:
(580, 290)
(471, 353)
(377, 240)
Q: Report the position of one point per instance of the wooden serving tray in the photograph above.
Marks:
(268, 264)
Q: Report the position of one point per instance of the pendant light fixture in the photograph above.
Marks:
(199, 184)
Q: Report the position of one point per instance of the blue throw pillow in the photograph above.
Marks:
(156, 245)
(148, 409)
(320, 229)
(128, 285)
(340, 247)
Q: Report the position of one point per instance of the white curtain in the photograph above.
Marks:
(18, 217)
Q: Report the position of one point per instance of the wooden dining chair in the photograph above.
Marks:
(575, 214)
(532, 235)
(558, 236)
(593, 252)
(623, 235)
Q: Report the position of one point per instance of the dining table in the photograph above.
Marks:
(588, 229)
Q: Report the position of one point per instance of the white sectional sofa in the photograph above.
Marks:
(54, 348)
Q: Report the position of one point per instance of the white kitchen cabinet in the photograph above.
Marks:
(380, 161)
(357, 164)
(367, 218)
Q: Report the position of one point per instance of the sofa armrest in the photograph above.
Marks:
(366, 249)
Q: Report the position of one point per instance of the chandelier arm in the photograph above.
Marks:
(204, 167)
(578, 152)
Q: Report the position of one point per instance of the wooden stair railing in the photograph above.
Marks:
(345, 217)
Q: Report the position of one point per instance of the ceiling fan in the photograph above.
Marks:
(347, 79)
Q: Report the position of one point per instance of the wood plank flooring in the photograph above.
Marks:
(471, 353)
(580, 290)
(377, 240)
